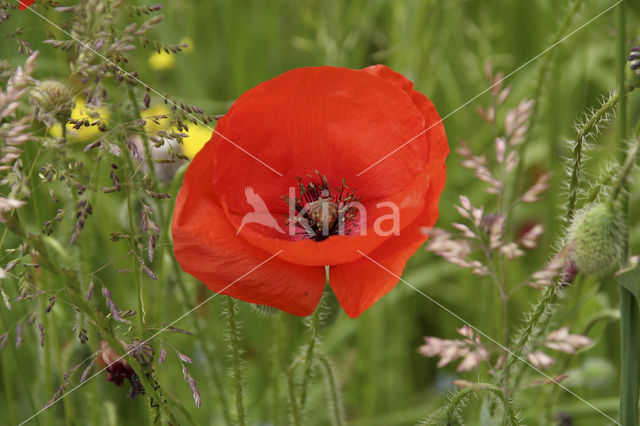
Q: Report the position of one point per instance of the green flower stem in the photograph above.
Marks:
(538, 312)
(630, 352)
(629, 309)
(295, 412)
(133, 245)
(57, 351)
(628, 165)
(308, 363)
(278, 332)
(583, 132)
(234, 340)
(333, 391)
(6, 376)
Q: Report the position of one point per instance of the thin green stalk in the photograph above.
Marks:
(16, 359)
(137, 272)
(8, 386)
(623, 177)
(143, 133)
(539, 311)
(629, 309)
(308, 363)
(57, 351)
(630, 353)
(234, 340)
(583, 133)
(278, 331)
(295, 411)
(333, 391)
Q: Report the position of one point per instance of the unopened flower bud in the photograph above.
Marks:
(596, 237)
(51, 99)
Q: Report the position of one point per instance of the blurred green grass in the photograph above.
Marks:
(442, 47)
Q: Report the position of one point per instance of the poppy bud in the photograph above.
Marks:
(596, 239)
(51, 98)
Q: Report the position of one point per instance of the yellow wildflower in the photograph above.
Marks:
(163, 123)
(162, 60)
(198, 136)
(81, 111)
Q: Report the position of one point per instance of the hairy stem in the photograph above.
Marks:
(293, 404)
(333, 391)
(234, 341)
(462, 393)
(278, 332)
(584, 132)
(540, 310)
(308, 362)
(628, 165)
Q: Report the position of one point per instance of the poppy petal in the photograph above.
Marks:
(360, 284)
(333, 120)
(206, 246)
(438, 147)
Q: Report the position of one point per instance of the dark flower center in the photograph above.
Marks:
(321, 212)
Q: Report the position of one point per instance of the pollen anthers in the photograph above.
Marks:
(319, 212)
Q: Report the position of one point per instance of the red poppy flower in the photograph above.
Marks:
(25, 4)
(319, 128)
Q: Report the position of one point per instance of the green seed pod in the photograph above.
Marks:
(596, 238)
(51, 99)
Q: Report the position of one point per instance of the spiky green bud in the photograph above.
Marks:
(596, 238)
(51, 99)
